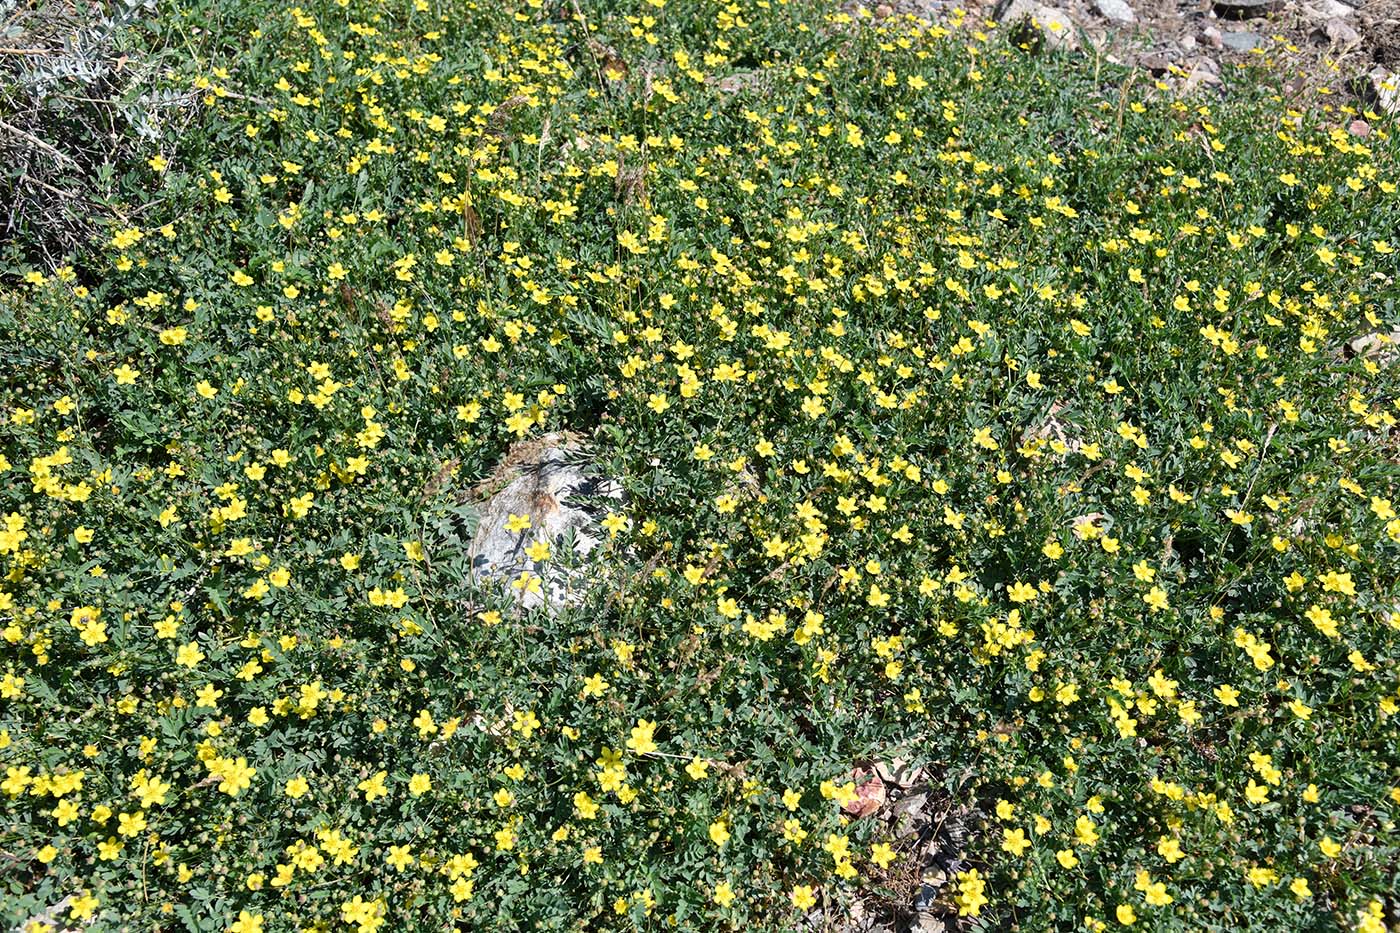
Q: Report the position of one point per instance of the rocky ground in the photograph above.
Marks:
(1340, 53)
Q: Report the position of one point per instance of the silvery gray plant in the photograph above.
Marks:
(80, 92)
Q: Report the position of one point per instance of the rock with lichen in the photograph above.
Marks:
(538, 522)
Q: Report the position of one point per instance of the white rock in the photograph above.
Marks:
(1013, 11)
(1059, 29)
(545, 480)
(1323, 10)
(1376, 346)
(1055, 24)
(50, 918)
(1385, 89)
(1115, 11)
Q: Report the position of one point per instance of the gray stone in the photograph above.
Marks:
(1115, 11)
(929, 892)
(1241, 41)
(1013, 11)
(547, 480)
(1319, 11)
(738, 81)
(908, 816)
(931, 10)
(928, 923)
(1340, 33)
(1159, 61)
(912, 803)
(1059, 29)
(899, 773)
(1205, 72)
(1053, 23)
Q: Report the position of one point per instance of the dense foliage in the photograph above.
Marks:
(974, 405)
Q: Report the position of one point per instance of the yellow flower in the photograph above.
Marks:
(373, 787)
(235, 775)
(1014, 841)
(585, 805)
(131, 824)
(399, 857)
(1021, 592)
(641, 740)
(1085, 832)
(971, 896)
(247, 923)
(1261, 877)
(1170, 849)
(85, 905)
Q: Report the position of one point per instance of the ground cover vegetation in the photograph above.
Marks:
(992, 409)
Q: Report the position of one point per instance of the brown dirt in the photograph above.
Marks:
(1380, 29)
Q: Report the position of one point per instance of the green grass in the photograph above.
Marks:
(975, 405)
